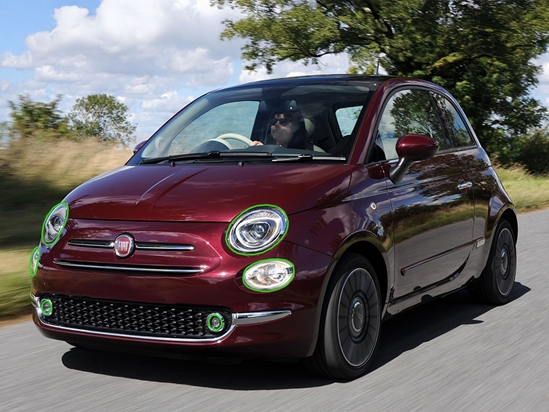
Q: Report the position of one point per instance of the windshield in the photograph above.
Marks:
(312, 120)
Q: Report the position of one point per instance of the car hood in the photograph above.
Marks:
(205, 193)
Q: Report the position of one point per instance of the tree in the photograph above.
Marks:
(101, 116)
(29, 119)
(482, 51)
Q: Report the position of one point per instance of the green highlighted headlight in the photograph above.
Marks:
(55, 223)
(33, 261)
(268, 275)
(46, 307)
(215, 322)
(257, 230)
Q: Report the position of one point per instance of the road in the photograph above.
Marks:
(448, 355)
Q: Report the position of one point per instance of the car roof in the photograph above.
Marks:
(372, 82)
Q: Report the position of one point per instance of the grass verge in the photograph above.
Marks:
(528, 192)
(37, 174)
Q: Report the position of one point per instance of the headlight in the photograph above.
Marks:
(55, 223)
(33, 261)
(268, 275)
(257, 230)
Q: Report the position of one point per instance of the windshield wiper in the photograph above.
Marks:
(207, 155)
(304, 157)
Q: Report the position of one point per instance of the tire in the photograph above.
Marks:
(495, 284)
(351, 322)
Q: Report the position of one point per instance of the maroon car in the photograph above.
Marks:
(279, 219)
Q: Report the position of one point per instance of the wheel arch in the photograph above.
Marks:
(364, 244)
(510, 216)
(375, 257)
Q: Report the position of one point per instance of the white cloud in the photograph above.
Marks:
(137, 37)
(139, 50)
(327, 65)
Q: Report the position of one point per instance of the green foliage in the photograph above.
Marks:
(32, 119)
(533, 151)
(103, 117)
(482, 51)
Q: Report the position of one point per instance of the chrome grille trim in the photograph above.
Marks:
(164, 247)
(90, 265)
(109, 244)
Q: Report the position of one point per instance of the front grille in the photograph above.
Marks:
(136, 319)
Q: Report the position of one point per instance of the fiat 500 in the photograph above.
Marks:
(279, 219)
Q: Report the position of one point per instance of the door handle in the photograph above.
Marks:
(464, 186)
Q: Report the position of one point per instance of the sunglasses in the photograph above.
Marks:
(283, 122)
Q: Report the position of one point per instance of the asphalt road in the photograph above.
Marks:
(449, 355)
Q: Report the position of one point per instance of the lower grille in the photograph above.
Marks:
(135, 319)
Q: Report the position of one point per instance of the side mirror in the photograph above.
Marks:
(138, 146)
(410, 148)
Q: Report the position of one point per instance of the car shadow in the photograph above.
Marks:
(429, 321)
(400, 334)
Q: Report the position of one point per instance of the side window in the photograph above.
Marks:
(347, 118)
(409, 112)
(454, 123)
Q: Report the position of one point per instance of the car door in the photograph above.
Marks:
(432, 210)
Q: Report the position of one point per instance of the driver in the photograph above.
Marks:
(287, 129)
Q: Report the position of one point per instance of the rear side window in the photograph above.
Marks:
(454, 123)
(409, 112)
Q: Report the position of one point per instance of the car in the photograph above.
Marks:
(223, 237)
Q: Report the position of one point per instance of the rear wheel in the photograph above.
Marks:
(498, 277)
(350, 329)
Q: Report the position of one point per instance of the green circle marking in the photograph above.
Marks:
(43, 303)
(32, 268)
(62, 228)
(266, 206)
(215, 316)
(268, 260)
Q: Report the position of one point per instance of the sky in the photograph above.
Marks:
(155, 56)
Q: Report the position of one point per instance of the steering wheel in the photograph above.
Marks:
(226, 137)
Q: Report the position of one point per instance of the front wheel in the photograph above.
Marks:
(351, 324)
(498, 277)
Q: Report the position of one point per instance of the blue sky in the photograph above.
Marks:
(153, 55)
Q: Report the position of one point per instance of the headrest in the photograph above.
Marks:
(309, 125)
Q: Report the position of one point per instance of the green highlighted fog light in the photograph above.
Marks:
(269, 275)
(215, 322)
(46, 307)
(54, 223)
(33, 261)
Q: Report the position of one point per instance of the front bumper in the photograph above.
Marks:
(267, 334)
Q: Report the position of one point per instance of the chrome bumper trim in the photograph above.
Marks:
(252, 318)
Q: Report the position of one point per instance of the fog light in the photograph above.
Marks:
(215, 322)
(46, 307)
(268, 275)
